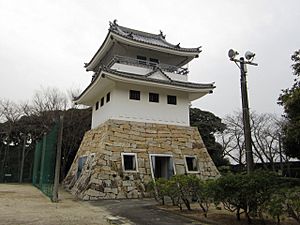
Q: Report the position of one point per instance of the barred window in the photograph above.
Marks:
(153, 97)
(135, 95)
(172, 100)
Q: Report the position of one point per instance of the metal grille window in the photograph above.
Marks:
(135, 95)
(191, 163)
(153, 97)
(172, 100)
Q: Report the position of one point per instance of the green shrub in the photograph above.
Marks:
(172, 191)
(157, 190)
(150, 188)
(161, 190)
(254, 194)
(275, 206)
(202, 190)
(245, 193)
(184, 190)
(292, 203)
(284, 202)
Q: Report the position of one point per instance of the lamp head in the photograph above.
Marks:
(232, 54)
(249, 55)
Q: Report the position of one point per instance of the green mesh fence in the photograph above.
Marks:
(44, 162)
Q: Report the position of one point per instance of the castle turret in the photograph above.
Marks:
(140, 96)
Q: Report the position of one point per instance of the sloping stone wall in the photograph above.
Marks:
(103, 177)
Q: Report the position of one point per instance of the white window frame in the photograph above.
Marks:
(136, 162)
(186, 166)
(163, 155)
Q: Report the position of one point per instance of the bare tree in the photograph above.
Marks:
(232, 138)
(1, 112)
(21, 124)
(10, 113)
(49, 99)
(26, 108)
(47, 105)
(265, 138)
(265, 135)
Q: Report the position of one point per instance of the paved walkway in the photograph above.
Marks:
(142, 212)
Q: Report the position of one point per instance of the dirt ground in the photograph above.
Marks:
(222, 217)
(25, 204)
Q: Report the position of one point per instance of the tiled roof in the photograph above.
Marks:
(147, 38)
(147, 79)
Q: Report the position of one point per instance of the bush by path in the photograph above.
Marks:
(257, 195)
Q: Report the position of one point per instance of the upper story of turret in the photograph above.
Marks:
(128, 50)
(141, 77)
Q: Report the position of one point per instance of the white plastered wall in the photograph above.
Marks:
(122, 108)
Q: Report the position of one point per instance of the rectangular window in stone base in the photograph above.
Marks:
(129, 162)
(191, 164)
(162, 166)
(81, 163)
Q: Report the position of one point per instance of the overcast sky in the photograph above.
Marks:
(46, 42)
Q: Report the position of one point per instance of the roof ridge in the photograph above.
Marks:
(129, 32)
(114, 26)
(142, 33)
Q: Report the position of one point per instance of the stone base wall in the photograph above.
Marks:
(103, 177)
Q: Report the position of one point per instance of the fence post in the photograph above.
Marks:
(58, 160)
(43, 161)
(22, 160)
(36, 164)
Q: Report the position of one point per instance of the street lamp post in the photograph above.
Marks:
(245, 105)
